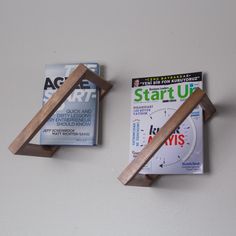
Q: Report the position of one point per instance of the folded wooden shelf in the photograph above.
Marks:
(130, 175)
(21, 145)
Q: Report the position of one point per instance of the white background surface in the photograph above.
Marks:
(76, 192)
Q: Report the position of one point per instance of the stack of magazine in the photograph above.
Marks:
(76, 120)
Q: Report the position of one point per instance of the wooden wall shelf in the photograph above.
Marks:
(130, 175)
(21, 145)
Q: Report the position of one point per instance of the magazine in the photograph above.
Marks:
(153, 101)
(76, 120)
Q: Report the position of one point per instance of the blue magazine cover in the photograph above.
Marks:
(76, 120)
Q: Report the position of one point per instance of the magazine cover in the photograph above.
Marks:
(76, 120)
(153, 101)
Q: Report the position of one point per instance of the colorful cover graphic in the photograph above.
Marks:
(76, 120)
(154, 100)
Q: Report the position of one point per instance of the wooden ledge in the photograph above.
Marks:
(130, 175)
(21, 145)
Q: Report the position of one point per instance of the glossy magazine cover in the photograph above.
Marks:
(76, 120)
(153, 101)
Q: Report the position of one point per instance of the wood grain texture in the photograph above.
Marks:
(207, 107)
(198, 97)
(141, 180)
(38, 150)
(21, 145)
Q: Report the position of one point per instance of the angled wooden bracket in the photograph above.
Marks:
(21, 145)
(130, 175)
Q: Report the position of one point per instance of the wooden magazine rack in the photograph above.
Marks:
(21, 144)
(130, 175)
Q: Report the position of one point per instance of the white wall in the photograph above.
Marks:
(77, 191)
